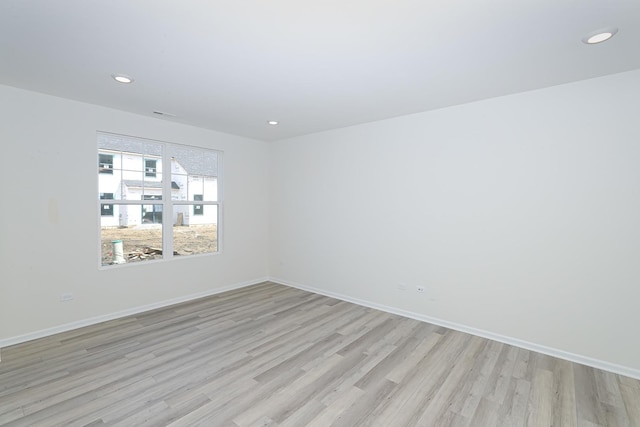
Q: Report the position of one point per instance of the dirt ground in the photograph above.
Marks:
(144, 242)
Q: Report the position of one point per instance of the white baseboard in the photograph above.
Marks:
(128, 312)
(561, 354)
(577, 358)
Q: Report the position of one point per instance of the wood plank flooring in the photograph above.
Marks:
(269, 355)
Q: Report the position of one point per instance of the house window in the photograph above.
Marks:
(150, 168)
(105, 163)
(198, 209)
(152, 213)
(175, 215)
(106, 209)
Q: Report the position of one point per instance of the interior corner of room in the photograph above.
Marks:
(517, 215)
(510, 214)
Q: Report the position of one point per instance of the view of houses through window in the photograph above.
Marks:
(156, 200)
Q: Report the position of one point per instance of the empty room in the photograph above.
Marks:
(336, 213)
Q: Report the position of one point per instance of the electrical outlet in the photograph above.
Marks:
(420, 288)
(402, 287)
(66, 297)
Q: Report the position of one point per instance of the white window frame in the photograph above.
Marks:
(167, 202)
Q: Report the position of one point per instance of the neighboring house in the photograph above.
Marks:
(127, 174)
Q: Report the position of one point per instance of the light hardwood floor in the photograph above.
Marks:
(269, 355)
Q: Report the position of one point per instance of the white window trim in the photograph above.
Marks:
(167, 204)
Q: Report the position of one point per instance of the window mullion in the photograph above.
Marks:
(220, 198)
(167, 205)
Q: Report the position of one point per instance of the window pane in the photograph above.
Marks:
(153, 149)
(194, 171)
(211, 160)
(122, 244)
(210, 188)
(132, 162)
(188, 160)
(132, 186)
(195, 234)
(152, 185)
(152, 213)
(196, 186)
(179, 185)
(120, 143)
(108, 173)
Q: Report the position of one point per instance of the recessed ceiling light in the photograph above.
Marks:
(600, 36)
(121, 78)
(272, 122)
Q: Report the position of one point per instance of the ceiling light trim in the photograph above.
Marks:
(599, 36)
(122, 78)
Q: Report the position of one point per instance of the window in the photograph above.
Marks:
(105, 163)
(159, 201)
(106, 209)
(198, 209)
(150, 168)
(152, 213)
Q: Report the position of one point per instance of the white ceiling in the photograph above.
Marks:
(232, 65)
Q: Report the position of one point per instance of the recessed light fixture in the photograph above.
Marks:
(599, 36)
(272, 122)
(121, 78)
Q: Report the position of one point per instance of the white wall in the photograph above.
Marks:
(520, 215)
(48, 220)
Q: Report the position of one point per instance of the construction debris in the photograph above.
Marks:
(146, 253)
